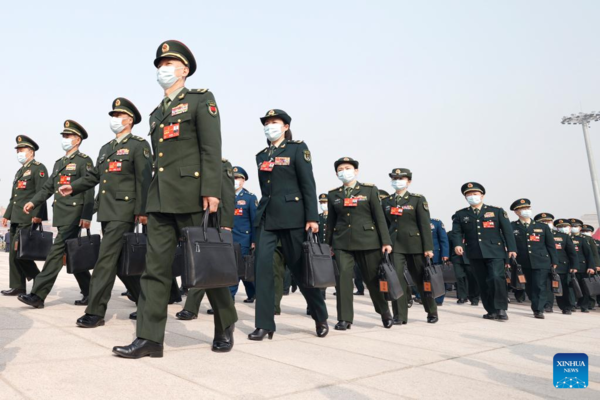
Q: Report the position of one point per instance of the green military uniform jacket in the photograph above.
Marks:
(186, 140)
(567, 255)
(594, 249)
(457, 242)
(68, 210)
(584, 253)
(124, 171)
(410, 231)
(289, 194)
(29, 180)
(227, 204)
(487, 234)
(360, 227)
(536, 247)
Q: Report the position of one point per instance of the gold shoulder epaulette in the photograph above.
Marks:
(367, 184)
(296, 141)
(198, 91)
(334, 189)
(224, 160)
(416, 194)
(83, 155)
(36, 163)
(141, 139)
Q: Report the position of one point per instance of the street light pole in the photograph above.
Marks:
(584, 120)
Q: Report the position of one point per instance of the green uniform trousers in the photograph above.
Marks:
(536, 287)
(54, 262)
(266, 243)
(19, 270)
(492, 283)
(416, 266)
(281, 274)
(163, 233)
(466, 283)
(586, 302)
(368, 263)
(194, 299)
(105, 270)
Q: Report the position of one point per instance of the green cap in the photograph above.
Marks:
(322, 197)
(398, 173)
(73, 128)
(561, 222)
(345, 160)
(471, 187)
(122, 105)
(275, 113)
(178, 50)
(544, 217)
(520, 203)
(575, 222)
(26, 141)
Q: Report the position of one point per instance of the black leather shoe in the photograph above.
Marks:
(549, 310)
(359, 293)
(474, 303)
(13, 292)
(210, 311)
(124, 294)
(460, 301)
(90, 321)
(502, 315)
(32, 300)
(82, 302)
(307, 311)
(322, 329)
(398, 321)
(249, 300)
(133, 316)
(130, 297)
(294, 288)
(432, 319)
(186, 315)
(223, 341)
(410, 303)
(140, 348)
(490, 316)
(259, 334)
(567, 312)
(343, 325)
(387, 320)
(538, 315)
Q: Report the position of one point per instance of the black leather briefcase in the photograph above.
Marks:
(33, 244)
(82, 252)
(239, 259)
(433, 280)
(177, 266)
(575, 286)
(448, 272)
(557, 288)
(132, 261)
(249, 267)
(517, 277)
(209, 257)
(389, 284)
(318, 270)
(408, 277)
(590, 286)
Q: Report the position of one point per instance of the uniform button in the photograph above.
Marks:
(247, 232)
(160, 140)
(14, 202)
(479, 233)
(54, 201)
(162, 125)
(108, 160)
(196, 173)
(530, 252)
(161, 169)
(160, 154)
(268, 181)
(348, 214)
(480, 240)
(56, 192)
(395, 230)
(105, 181)
(74, 203)
(105, 171)
(178, 120)
(104, 191)
(297, 199)
(126, 197)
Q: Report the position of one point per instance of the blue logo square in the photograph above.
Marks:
(571, 371)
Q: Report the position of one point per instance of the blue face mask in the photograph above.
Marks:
(22, 157)
(474, 199)
(67, 144)
(399, 184)
(346, 175)
(526, 213)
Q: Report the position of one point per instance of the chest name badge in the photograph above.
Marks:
(171, 131)
(489, 215)
(71, 167)
(534, 238)
(27, 173)
(489, 224)
(282, 161)
(396, 211)
(238, 212)
(350, 202)
(558, 246)
(22, 185)
(122, 152)
(241, 202)
(267, 166)
(64, 180)
(114, 166)
(180, 109)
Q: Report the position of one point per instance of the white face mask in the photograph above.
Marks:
(551, 226)
(273, 132)
(474, 199)
(116, 125)
(22, 157)
(575, 230)
(67, 144)
(587, 234)
(346, 175)
(323, 207)
(236, 184)
(165, 76)
(564, 229)
(399, 184)
(526, 214)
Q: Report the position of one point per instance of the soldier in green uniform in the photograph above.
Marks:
(488, 235)
(466, 283)
(29, 180)
(287, 209)
(358, 235)
(536, 252)
(323, 217)
(567, 261)
(70, 214)
(587, 263)
(186, 138)
(124, 171)
(588, 231)
(409, 224)
(226, 215)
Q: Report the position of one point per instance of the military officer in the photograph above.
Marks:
(588, 231)
(287, 209)
(587, 262)
(323, 217)
(70, 214)
(409, 224)
(185, 131)
(536, 252)
(29, 180)
(441, 249)
(466, 283)
(358, 235)
(124, 171)
(567, 261)
(488, 235)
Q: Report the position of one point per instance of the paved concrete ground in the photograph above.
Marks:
(43, 355)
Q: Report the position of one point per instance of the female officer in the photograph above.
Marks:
(358, 233)
(287, 209)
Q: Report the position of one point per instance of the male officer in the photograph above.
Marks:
(588, 231)
(466, 283)
(567, 261)
(536, 252)
(70, 214)
(409, 224)
(186, 139)
(587, 263)
(441, 248)
(487, 233)
(29, 180)
(124, 171)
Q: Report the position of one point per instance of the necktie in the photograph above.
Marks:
(114, 144)
(271, 150)
(348, 190)
(526, 225)
(165, 104)
(398, 198)
(476, 210)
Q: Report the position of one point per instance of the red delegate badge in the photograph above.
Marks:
(114, 166)
(22, 185)
(350, 202)
(64, 180)
(534, 238)
(558, 246)
(171, 131)
(396, 211)
(488, 224)
(238, 211)
(267, 166)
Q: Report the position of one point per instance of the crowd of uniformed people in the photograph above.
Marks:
(169, 184)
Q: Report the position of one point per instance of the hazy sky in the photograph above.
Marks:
(453, 90)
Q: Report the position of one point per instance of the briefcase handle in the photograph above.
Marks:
(514, 263)
(33, 226)
(205, 224)
(137, 231)
(312, 237)
(79, 236)
(386, 257)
